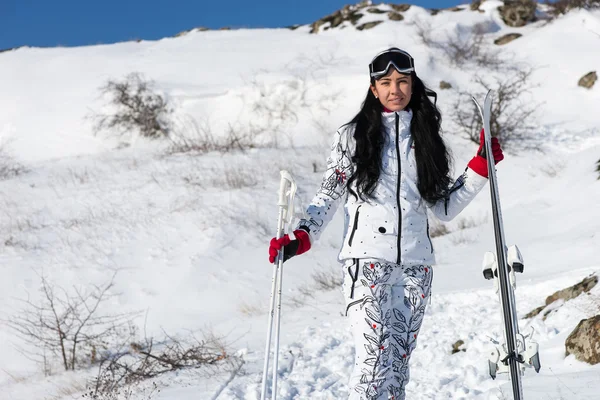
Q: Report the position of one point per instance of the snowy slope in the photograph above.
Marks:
(188, 234)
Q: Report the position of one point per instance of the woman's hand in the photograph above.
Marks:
(479, 162)
(291, 247)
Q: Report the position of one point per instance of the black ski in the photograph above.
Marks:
(515, 354)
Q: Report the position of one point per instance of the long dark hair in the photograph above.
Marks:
(431, 154)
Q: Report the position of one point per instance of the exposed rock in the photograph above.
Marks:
(394, 16)
(368, 25)
(445, 85)
(517, 13)
(571, 292)
(475, 5)
(225, 28)
(456, 347)
(584, 341)
(566, 294)
(182, 33)
(400, 7)
(588, 80)
(347, 13)
(535, 312)
(507, 38)
(436, 11)
(376, 11)
(197, 29)
(293, 27)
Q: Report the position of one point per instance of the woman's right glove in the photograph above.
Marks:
(291, 247)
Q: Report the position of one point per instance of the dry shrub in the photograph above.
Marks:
(467, 223)
(198, 137)
(136, 362)
(512, 117)
(327, 280)
(68, 325)
(437, 229)
(136, 107)
(9, 168)
(462, 46)
(559, 7)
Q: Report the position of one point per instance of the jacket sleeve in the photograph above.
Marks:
(333, 187)
(463, 191)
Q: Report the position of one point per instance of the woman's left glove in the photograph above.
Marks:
(479, 162)
(291, 247)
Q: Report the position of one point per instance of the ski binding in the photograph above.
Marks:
(527, 354)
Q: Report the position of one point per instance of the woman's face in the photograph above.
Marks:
(393, 90)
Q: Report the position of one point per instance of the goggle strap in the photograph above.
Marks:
(431, 93)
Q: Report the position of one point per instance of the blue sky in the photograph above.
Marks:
(82, 22)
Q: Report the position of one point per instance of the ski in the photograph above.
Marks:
(518, 351)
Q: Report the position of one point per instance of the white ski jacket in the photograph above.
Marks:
(394, 226)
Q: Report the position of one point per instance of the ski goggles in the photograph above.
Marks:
(399, 59)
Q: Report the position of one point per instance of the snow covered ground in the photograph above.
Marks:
(188, 234)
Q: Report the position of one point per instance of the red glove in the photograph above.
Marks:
(479, 162)
(291, 248)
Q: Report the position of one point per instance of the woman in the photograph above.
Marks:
(389, 165)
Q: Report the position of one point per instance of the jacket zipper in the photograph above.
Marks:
(398, 188)
(355, 226)
(429, 237)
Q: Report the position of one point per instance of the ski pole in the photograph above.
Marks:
(287, 191)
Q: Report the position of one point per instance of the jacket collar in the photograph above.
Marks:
(389, 120)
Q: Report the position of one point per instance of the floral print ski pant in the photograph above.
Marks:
(385, 305)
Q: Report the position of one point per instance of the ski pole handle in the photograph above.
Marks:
(287, 191)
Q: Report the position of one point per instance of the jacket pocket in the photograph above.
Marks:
(353, 273)
(354, 226)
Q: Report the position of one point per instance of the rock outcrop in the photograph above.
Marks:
(517, 13)
(584, 341)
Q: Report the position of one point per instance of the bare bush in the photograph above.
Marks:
(251, 309)
(461, 238)
(598, 168)
(68, 326)
(137, 362)
(324, 280)
(137, 107)
(462, 45)
(468, 223)
(327, 280)
(9, 168)
(197, 137)
(424, 31)
(227, 176)
(124, 393)
(558, 7)
(275, 107)
(512, 117)
(236, 178)
(437, 229)
(552, 169)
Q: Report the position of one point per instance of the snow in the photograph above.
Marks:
(188, 234)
